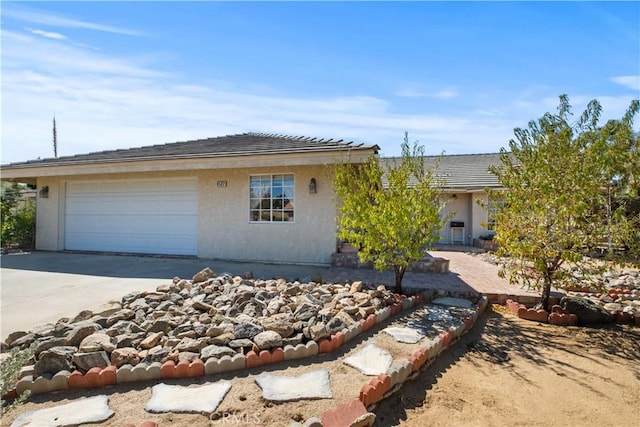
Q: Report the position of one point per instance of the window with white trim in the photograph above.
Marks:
(492, 209)
(271, 198)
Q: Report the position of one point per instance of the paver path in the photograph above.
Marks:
(468, 274)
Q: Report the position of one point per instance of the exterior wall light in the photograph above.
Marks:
(44, 192)
(313, 188)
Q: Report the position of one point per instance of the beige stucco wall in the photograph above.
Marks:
(48, 214)
(464, 207)
(479, 214)
(224, 229)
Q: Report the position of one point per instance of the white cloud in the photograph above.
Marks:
(49, 19)
(104, 102)
(632, 82)
(446, 94)
(412, 92)
(47, 34)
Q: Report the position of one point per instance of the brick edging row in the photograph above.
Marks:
(110, 375)
(561, 317)
(384, 385)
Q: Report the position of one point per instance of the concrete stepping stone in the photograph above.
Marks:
(86, 410)
(453, 302)
(404, 335)
(175, 398)
(371, 360)
(312, 385)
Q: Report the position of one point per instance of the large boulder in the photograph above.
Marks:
(587, 311)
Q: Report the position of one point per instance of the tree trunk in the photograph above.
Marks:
(399, 275)
(546, 293)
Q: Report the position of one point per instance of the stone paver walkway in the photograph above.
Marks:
(468, 275)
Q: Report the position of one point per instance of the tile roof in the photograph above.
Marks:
(224, 146)
(461, 171)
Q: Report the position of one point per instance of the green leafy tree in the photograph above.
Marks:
(563, 184)
(392, 214)
(18, 218)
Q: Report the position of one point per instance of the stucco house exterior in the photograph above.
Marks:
(254, 197)
(464, 179)
(245, 197)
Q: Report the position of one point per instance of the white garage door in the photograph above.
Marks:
(144, 216)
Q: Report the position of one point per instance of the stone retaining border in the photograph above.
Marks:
(352, 413)
(385, 385)
(98, 377)
(561, 317)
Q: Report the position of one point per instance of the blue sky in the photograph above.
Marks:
(459, 77)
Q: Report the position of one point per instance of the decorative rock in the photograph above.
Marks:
(267, 340)
(216, 351)
(222, 339)
(46, 344)
(86, 361)
(96, 342)
(83, 315)
(189, 344)
(319, 331)
(241, 343)
(80, 332)
(13, 336)
(54, 360)
(203, 275)
(106, 310)
(160, 325)
(151, 340)
(124, 356)
(247, 330)
(305, 311)
(612, 306)
(124, 314)
(283, 327)
(157, 354)
(587, 311)
(202, 306)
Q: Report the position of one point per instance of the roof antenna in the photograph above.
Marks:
(55, 138)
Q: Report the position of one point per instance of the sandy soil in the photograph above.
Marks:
(512, 372)
(505, 372)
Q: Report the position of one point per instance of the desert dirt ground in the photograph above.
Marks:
(505, 372)
(512, 372)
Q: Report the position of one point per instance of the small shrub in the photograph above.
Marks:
(9, 372)
(18, 219)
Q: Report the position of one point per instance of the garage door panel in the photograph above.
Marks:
(157, 224)
(146, 216)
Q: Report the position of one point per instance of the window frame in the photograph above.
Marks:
(493, 204)
(271, 210)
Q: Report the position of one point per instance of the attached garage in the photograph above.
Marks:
(194, 198)
(132, 216)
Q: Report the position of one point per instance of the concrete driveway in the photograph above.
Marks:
(42, 287)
